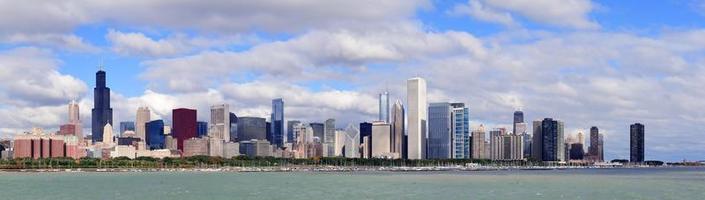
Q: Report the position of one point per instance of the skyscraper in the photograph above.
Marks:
(548, 141)
(155, 134)
(381, 134)
(102, 113)
(126, 126)
(74, 117)
(233, 127)
(201, 129)
(595, 149)
(461, 131)
(397, 120)
(518, 118)
(440, 133)
(319, 130)
(184, 125)
(107, 137)
(290, 136)
(417, 113)
(478, 143)
(365, 132)
(249, 128)
(352, 142)
(636, 143)
(384, 107)
(220, 122)
(143, 116)
(329, 135)
(277, 119)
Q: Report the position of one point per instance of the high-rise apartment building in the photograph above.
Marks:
(461, 131)
(595, 150)
(416, 117)
(102, 113)
(478, 143)
(636, 143)
(548, 142)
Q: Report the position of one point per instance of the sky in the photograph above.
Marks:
(588, 63)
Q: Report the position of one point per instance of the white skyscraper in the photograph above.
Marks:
(381, 140)
(329, 137)
(143, 116)
(108, 135)
(416, 116)
(220, 122)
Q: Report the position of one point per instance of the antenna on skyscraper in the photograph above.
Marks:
(100, 65)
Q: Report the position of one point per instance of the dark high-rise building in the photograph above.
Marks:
(126, 126)
(277, 123)
(101, 114)
(518, 118)
(548, 142)
(440, 133)
(184, 126)
(636, 143)
(155, 134)
(290, 137)
(201, 129)
(249, 128)
(576, 151)
(595, 150)
(233, 127)
(366, 131)
(319, 130)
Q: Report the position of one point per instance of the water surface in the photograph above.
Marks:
(660, 183)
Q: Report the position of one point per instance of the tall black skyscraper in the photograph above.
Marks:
(636, 143)
(102, 114)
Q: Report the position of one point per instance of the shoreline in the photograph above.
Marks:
(326, 169)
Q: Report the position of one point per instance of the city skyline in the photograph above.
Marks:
(593, 68)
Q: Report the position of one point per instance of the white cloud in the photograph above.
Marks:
(478, 10)
(58, 41)
(140, 45)
(561, 13)
(30, 77)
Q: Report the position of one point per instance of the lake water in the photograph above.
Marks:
(654, 183)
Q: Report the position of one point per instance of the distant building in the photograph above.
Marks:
(37, 145)
(143, 116)
(155, 135)
(576, 151)
(231, 149)
(220, 122)
(233, 127)
(397, 122)
(478, 143)
(102, 113)
(595, 150)
(329, 136)
(126, 126)
(195, 147)
(416, 118)
(201, 129)
(171, 143)
(290, 136)
(249, 128)
(215, 147)
(256, 148)
(548, 142)
(384, 107)
(381, 143)
(184, 126)
(365, 132)
(518, 118)
(461, 131)
(352, 142)
(636, 143)
(319, 130)
(277, 127)
(440, 131)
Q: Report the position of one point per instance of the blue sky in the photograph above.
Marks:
(589, 63)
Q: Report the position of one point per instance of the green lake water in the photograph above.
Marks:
(659, 183)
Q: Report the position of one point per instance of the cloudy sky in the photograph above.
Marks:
(588, 63)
